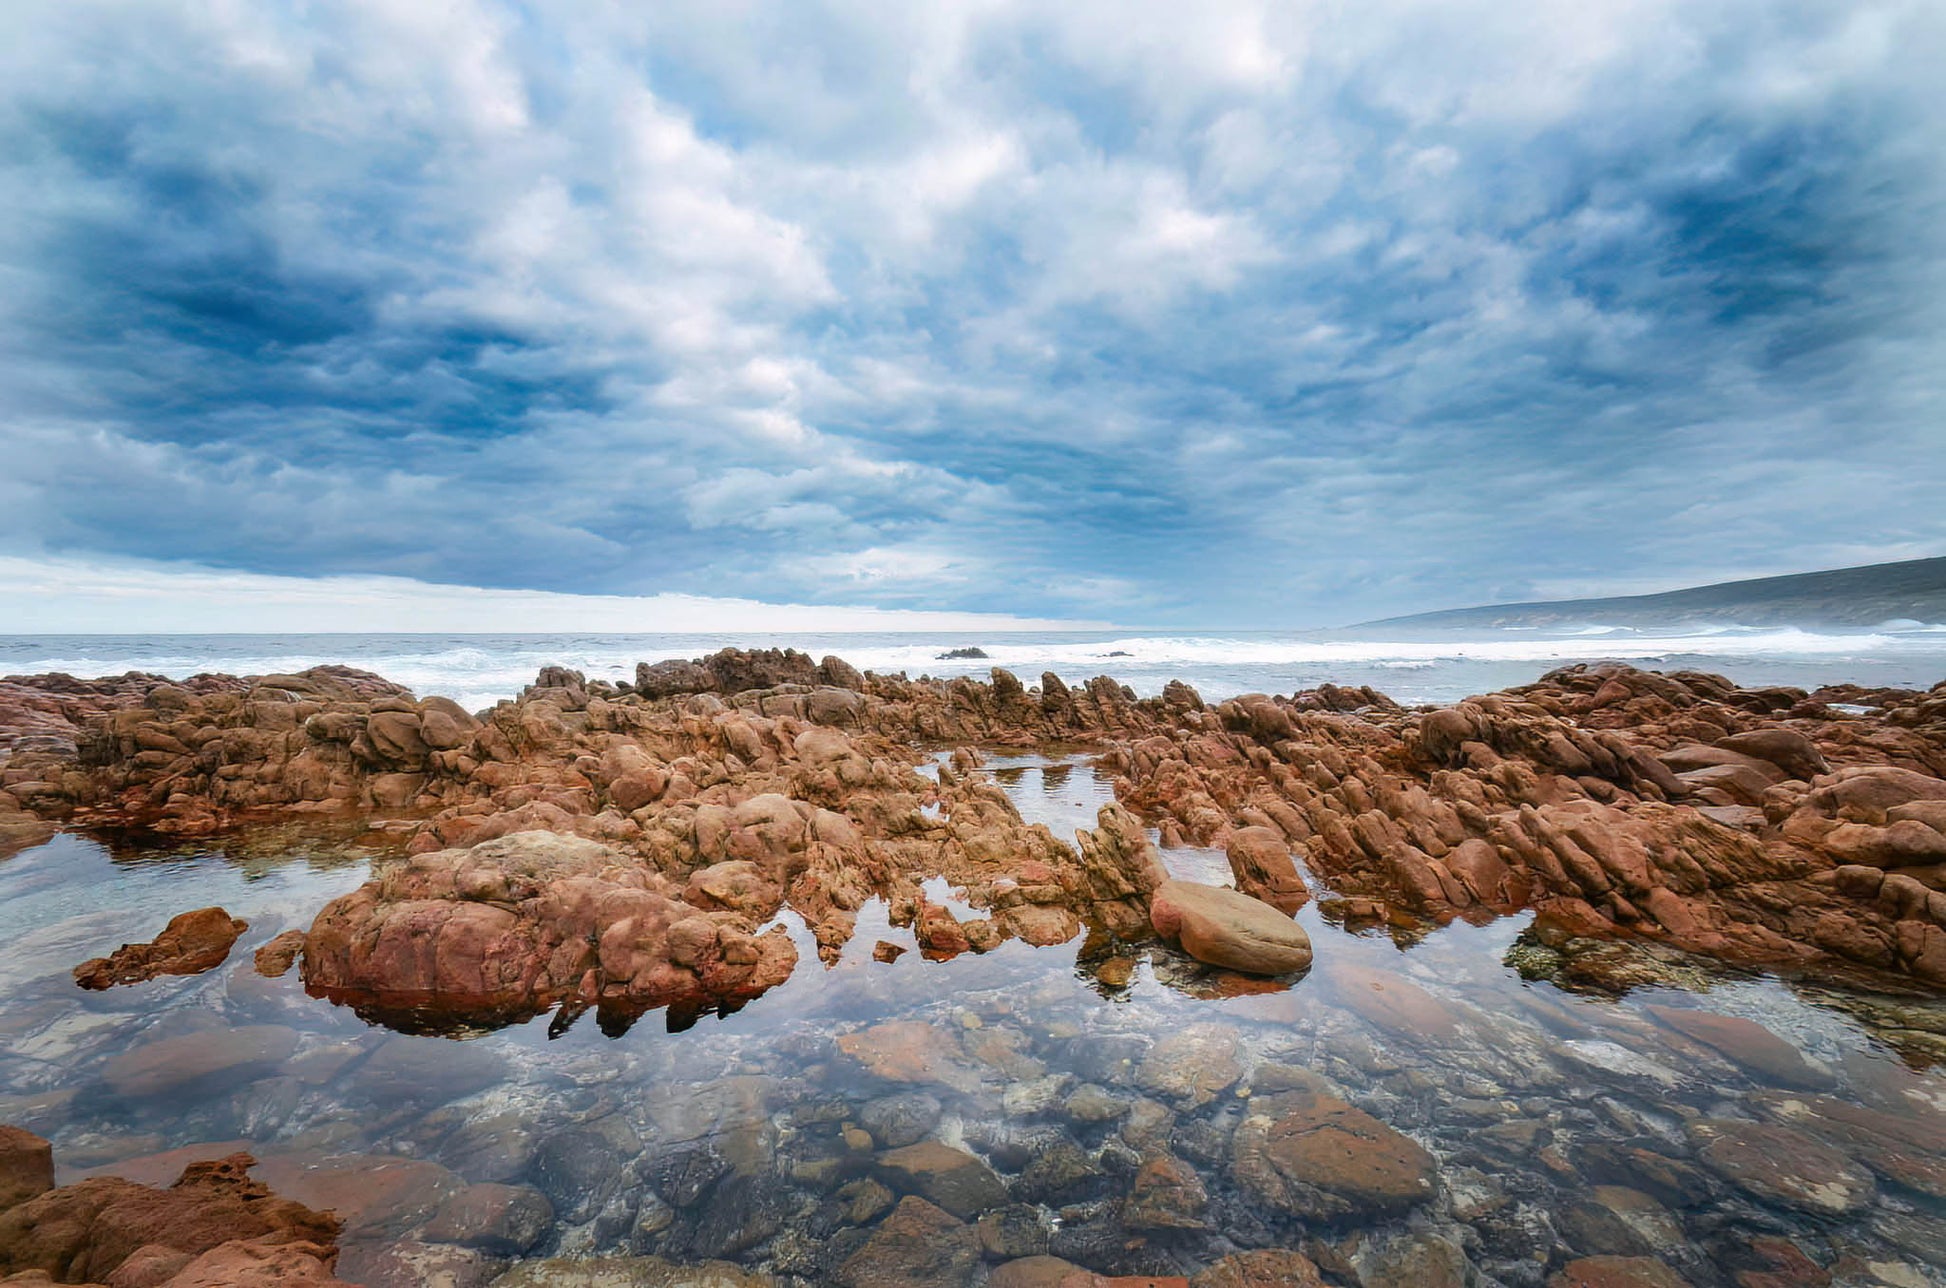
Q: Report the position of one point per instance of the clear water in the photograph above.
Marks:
(728, 1139)
(479, 670)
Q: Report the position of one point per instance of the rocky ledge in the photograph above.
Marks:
(623, 847)
(214, 1226)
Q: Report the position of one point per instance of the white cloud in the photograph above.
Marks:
(60, 596)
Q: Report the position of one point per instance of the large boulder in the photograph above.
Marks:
(1227, 928)
(512, 926)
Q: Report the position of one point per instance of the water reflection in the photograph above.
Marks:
(1690, 1116)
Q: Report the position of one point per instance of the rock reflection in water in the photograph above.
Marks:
(1400, 1117)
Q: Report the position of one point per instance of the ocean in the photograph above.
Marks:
(479, 670)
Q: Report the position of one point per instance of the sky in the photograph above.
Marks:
(1216, 315)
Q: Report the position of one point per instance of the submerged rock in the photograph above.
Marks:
(917, 1246)
(1315, 1156)
(190, 944)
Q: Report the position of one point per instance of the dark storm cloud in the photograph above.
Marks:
(1251, 315)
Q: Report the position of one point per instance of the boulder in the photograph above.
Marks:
(957, 1181)
(91, 1230)
(190, 944)
(1223, 927)
(26, 1166)
(1261, 861)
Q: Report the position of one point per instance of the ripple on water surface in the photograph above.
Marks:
(1409, 1114)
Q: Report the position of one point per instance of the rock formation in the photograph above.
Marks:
(214, 1226)
(621, 846)
(190, 944)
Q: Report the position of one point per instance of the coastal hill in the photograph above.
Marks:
(1913, 590)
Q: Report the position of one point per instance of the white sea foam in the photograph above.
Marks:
(481, 670)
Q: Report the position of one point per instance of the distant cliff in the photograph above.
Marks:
(1913, 589)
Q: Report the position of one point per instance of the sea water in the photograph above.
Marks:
(479, 670)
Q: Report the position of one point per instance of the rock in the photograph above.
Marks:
(371, 1194)
(1014, 1231)
(1167, 1195)
(505, 1219)
(1787, 749)
(1261, 861)
(507, 928)
(199, 1063)
(424, 1071)
(1227, 928)
(1322, 1158)
(1748, 1044)
(26, 1166)
(1617, 1272)
(1420, 1259)
(917, 1246)
(1039, 1271)
(1193, 1066)
(629, 1272)
(904, 1119)
(1264, 1268)
(87, 1231)
(953, 1179)
(911, 1051)
(1396, 1005)
(1781, 1166)
(275, 959)
(190, 944)
(1907, 1149)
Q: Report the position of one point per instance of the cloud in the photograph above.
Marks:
(75, 596)
(1254, 315)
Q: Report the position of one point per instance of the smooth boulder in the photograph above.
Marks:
(1223, 927)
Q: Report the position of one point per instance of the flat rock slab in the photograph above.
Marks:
(911, 1051)
(1782, 1167)
(1321, 1157)
(1748, 1044)
(204, 1061)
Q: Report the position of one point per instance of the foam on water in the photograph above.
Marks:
(479, 670)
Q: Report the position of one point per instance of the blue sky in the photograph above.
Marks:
(1206, 315)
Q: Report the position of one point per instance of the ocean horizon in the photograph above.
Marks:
(480, 669)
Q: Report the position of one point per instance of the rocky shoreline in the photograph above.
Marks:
(622, 847)
(588, 848)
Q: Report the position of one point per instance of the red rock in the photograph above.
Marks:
(1261, 861)
(26, 1166)
(1227, 928)
(88, 1230)
(1265, 1268)
(190, 944)
(1320, 1157)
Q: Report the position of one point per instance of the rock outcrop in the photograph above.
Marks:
(1769, 826)
(215, 1225)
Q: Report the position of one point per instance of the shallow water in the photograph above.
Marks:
(730, 1139)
